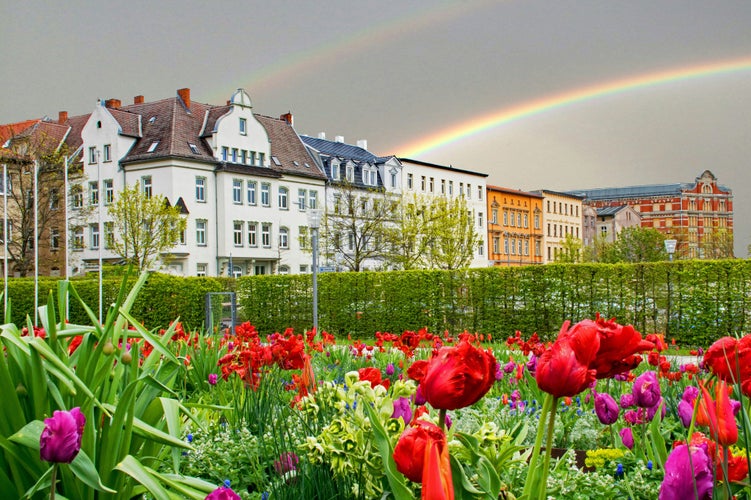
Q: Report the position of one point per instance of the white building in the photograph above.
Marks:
(561, 216)
(244, 182)
(430, 179)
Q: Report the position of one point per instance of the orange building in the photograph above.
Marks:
(514, 227)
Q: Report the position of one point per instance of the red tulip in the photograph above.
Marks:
(409, 452)
(718, 414)
(373, 375)
(730, 360)
(436, 474)
(619, 346)
(458, 376)
(563, 369)
(60, 440)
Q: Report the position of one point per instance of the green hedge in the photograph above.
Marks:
(694, 302)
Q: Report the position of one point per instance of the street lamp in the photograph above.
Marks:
(36, 241)
(670, 248)
(314, 221)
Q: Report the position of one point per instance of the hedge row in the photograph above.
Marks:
(694, 302)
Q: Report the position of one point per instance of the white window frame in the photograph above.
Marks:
(283, 237)
(302, 196)
(109, 191)
(266, 234)
(252, 188)
(238, 228)
(252, 234)
(201, 232)
(265, 194)
(200, 189)
(283, 198)
(237, 191)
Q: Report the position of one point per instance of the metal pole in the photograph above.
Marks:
(5, 241)
(315, 278)
(36, 241)
(67, 241)
(99, 229)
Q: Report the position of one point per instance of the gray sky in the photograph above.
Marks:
(396, 72)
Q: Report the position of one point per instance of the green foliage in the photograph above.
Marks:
(145, 227)
(640, 244)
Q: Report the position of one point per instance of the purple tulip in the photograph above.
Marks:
(60, 440)
(213, 378)
(687, 477)
(498, 371)
(627, 437)
(690, 393)
(652, 411)
(606, 408)
(287, 462)
(685, 412)
(418, 397)
(402, 409)
(223, 493)
(390, 369)
(627, 400)
(646, 390)
(532, 364)
(510, 367)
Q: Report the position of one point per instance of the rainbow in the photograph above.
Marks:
(504, 116)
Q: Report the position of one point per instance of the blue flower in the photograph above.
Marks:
(190, 438)
(265, 495)
(649, 465)
(226, 483)
(619, 471)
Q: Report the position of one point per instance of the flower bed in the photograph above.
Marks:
(116, 411)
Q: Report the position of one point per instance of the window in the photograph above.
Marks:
(393, 179)
(6, 183)
(201, 189)
(505, 245)
(373, 177)
(431, 185)
(244, 156)
(303, 268)
(93, 193)
(251, 193)
(451, 188)
(146, 185)
(351, 242)
(54, 199)
(410, 181)
(54, 239)
(480, 219)
(512, 219)
(469, 191)
(335, 174)
(526, 247)
(496, 244)
(243, 126)
(201, 269)
(152, 147)
(519, 246)
(92, 155)
(252, 234)
(77, 238)
(252, 157)
(461, 188)
(301, 197)
(422, 183)
(513, 247)
(265, 194)
(237, 233)
(261, 159)
(313, 199)
(283, 237)
(237, 189)
(234, 155)
(94, 236)
(494, 216)
(481, 248)
(350, 172)
(283, 269)
(519, 220)
(303, 237)
(526, 220)
(109, 192)
(283, 197)
(505, 218)
(201, 232)
(193, 148)
(266, 234)
(225, 153)
(537, 221)
(107, 152)
(109, 234)
(479, 192)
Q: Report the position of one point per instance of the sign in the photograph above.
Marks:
(670, 246)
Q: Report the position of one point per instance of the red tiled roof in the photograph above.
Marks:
(288, 148)
(13, 129)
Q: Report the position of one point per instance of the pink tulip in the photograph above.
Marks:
(60, 440)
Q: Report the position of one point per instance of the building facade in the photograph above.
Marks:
(697, 214)
(515, 222)
(561, 219)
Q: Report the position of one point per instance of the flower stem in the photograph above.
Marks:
(548, 449)
(54, 482)
(442, 419)
(532, 471)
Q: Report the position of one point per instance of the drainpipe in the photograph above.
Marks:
(216, 219)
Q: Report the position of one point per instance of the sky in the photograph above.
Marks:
(554, 94)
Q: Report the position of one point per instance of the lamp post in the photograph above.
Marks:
(36, 241)
(5, 241)
(99, 228)
(670, 248)
(314, 221)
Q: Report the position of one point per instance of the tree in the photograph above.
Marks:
(432, 232)
(571, 250)
(355, 231)
(34, 222)
(144, 227)
(718, 244)
(640, 244)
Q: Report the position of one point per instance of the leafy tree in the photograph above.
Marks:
(433, 232)
(356, 230)
(144, 227)
(571, 250)
(640, 244)
(718, 244)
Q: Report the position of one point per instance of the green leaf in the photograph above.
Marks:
(395, 478)
(135, 469)
(85, 470)
(152, 339)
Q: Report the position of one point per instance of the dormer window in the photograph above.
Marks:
(350, 173)
(193, 148)
(243, 126)
(335, 170)
(153, 146)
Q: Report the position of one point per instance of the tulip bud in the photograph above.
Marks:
(21, 389)
(108, 348)
(126, 358)
(60, 440)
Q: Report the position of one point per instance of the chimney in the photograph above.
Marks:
(62, 117)
(113, 103)
(184, 96)
(322, 135)
(138, 99)
(339, 138)
(287, 117)
(362, 143)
